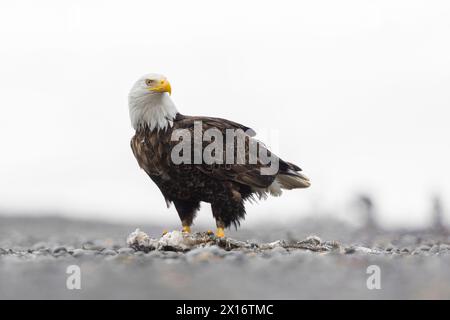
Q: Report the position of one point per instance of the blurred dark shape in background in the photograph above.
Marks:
(437, 214)
(368, 212)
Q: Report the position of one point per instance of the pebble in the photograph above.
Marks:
(125, 251)
(43, 251)
(82, 252)
(92, 246)
(39, 246)
(349, 250)
(59, 251)
(108, 252)
(424, 247)
(78, 253)
(434, 249)
(314, 239)
(363, 250)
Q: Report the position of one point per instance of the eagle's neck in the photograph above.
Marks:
(153, 111)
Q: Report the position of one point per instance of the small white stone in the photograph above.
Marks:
(174, 239)
(138, 238)
(365, 250)
(315, 239)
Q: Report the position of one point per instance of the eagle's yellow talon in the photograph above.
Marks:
(209, 232)
(165, 232)
(220, 233)
(186, 229)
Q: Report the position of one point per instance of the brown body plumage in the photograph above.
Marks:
(224, 186)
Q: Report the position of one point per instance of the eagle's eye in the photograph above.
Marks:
(149, 82)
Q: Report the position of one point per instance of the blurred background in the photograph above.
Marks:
(355, 92)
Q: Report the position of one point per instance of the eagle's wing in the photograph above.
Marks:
(183, 121)
(247, 174)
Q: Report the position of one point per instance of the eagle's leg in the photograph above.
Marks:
(217, 211)
(228, 210)
(186, 211)
(220, 233)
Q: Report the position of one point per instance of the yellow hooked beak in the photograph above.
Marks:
(162, 86)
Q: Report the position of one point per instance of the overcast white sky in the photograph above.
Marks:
(357, 90)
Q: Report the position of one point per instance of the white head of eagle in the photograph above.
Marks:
(225, 186)
(150, 103)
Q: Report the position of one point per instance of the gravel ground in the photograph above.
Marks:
(35, 255)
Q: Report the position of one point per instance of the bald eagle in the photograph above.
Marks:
(225, 184)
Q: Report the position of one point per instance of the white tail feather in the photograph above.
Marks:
(293, 181)
(283, 181)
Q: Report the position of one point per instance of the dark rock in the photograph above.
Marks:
(349, 250)
(59, 250)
